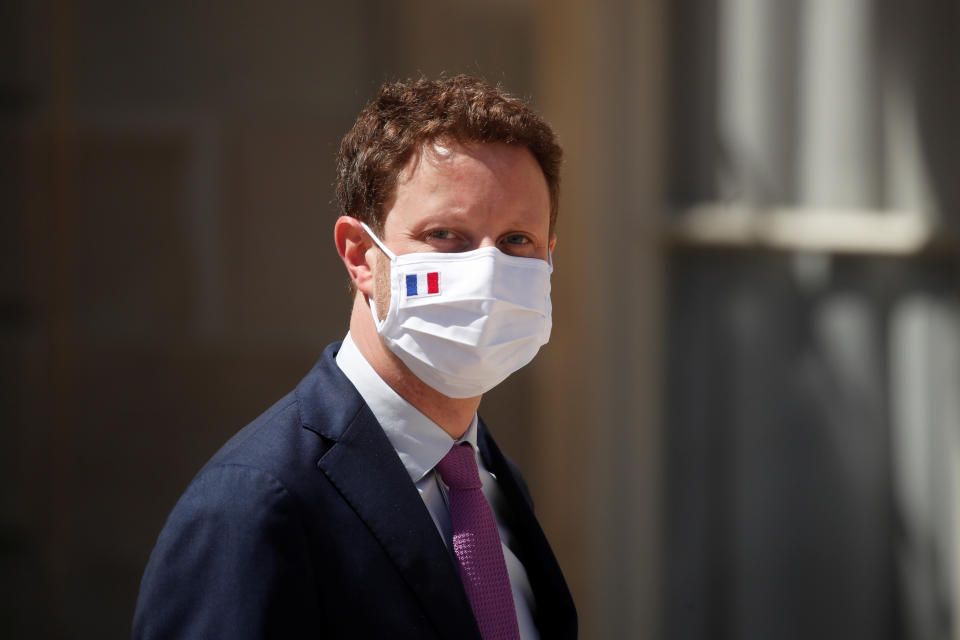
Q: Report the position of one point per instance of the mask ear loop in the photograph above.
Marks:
(373, 236)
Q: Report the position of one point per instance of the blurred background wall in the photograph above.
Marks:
(745, 424)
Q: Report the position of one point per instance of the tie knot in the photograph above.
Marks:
(459, 468)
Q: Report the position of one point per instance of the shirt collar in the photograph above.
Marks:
(419, 441)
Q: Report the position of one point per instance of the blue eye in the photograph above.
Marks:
(517, 239)
(441, 234)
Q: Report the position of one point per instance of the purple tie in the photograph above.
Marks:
(476, 544)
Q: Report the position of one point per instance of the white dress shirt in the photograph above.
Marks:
(421, 444)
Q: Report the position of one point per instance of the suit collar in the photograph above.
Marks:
(326, 400)
(365, 469)
(419, 441)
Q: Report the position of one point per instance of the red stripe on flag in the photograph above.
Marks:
(433, 282)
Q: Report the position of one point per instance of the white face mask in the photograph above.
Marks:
(463, 322)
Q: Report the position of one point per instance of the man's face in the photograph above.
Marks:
(453, 198)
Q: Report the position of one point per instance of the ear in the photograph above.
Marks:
(553, 242)
(354, 245)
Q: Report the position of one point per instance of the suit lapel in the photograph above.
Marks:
(367, 472)
(555, 612)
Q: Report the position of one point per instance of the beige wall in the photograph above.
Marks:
(600, 71)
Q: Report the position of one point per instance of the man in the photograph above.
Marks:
(372, 502)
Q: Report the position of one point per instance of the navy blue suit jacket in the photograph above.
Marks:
(306, 524)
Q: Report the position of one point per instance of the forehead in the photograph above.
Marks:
(467, 167)
(477, 182)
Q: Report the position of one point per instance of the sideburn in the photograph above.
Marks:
(381, 284)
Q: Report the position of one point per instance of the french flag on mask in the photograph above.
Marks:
(425, 283)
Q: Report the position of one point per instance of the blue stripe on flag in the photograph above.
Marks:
(411, 284)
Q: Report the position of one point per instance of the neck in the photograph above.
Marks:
(453, 415)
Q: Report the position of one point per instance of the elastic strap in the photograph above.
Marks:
(373, 236)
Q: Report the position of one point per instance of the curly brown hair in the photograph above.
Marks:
(407, 115)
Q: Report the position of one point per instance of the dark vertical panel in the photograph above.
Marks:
(694, 146)
(779, 506)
